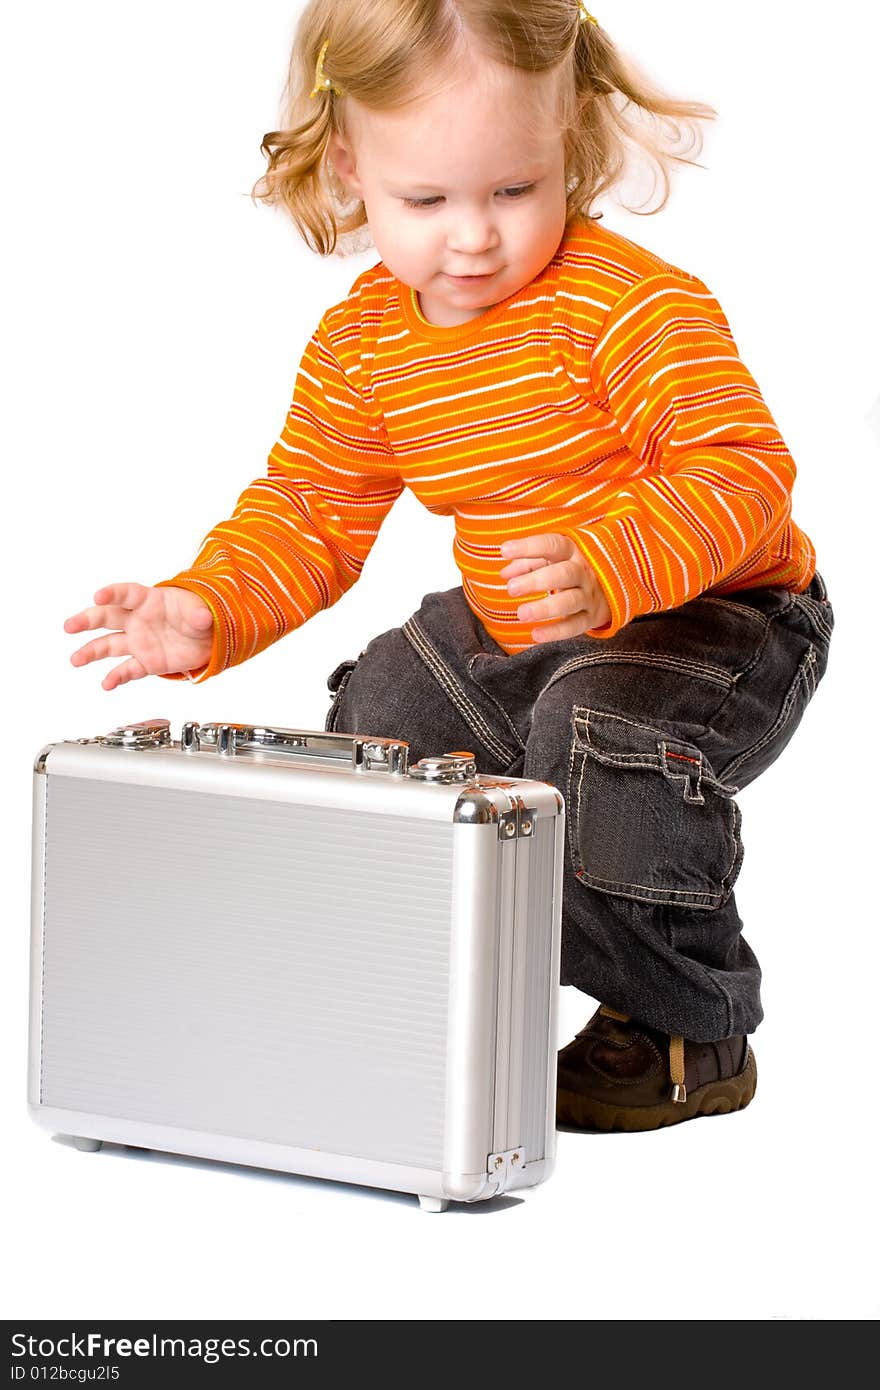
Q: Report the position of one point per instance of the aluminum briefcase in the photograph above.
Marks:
(291, 949)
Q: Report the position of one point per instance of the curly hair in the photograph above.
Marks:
(382, 54)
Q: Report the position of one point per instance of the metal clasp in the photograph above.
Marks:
(518, 823)
(149, 733)
(502, 1167)
(446, 767)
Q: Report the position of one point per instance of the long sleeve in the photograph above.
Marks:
(712, 499)
(297, 538)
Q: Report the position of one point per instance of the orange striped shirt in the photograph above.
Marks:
(605, 400)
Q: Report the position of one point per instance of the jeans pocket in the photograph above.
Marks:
(648, 818)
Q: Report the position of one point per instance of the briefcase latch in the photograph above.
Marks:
(517, 824)
(503, 1167)
(149, 733)
(446, 767)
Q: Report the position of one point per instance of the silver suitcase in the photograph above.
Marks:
(291, 949)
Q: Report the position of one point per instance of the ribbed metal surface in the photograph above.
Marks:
(538, 985)
(248, 968)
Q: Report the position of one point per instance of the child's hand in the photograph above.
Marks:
(165, 630)
(555, 564)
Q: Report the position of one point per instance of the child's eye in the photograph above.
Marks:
(513, 193)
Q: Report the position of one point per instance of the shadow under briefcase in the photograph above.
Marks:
(290, 949)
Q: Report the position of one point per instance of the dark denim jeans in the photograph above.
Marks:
(648, 735)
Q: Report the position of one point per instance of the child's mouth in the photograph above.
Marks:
(471, 279)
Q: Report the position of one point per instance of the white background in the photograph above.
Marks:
(153, 322)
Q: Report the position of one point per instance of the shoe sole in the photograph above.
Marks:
(715, 1098)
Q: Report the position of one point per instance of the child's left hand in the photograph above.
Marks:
(555, 564)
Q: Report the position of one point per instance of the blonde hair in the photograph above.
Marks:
(385, 54)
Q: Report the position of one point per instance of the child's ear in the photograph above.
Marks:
(341, 156)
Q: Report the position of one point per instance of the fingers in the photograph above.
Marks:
(525, 566)
(567, 603)
(545, 577)
(547, 560)
(115, 644)
(125, 595)
(552, 546)
(551, 564)
(114, 601)
(91, 618)
(557, 632)
(130, 670)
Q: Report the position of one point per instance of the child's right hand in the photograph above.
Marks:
(164, 631)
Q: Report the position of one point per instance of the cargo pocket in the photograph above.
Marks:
(647, 817)
(336, 683)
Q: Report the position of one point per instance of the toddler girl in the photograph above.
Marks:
(640, 621)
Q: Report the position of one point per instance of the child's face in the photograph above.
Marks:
(487, 161)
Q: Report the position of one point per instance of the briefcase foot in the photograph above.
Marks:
(433, 1203)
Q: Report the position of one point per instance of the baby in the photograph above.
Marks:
(640, 621)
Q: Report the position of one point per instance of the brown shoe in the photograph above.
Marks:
(621, 1075)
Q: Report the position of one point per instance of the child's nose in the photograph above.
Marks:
(473, 233)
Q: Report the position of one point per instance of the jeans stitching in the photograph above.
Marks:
(807, 663)
(714, 674)
(575, 820)
(814, 681)
(454, 691)
(761, 618)
(584, 710)
(814, 615)
(624, 761)
(684, 897)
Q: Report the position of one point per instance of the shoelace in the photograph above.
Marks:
(676, 1056)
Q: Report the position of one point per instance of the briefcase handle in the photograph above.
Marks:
(360, 753)
(356, 751)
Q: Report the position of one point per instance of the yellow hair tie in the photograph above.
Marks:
(586, 17)
(323, 83)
